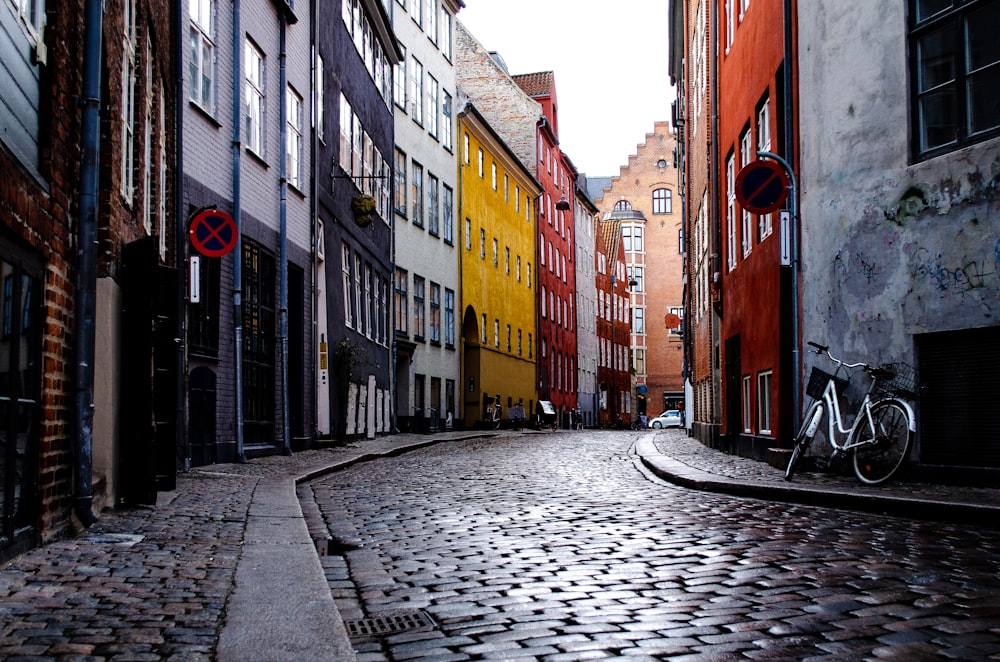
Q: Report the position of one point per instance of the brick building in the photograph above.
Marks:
(96, 175)
(614, 318)
(645, 198)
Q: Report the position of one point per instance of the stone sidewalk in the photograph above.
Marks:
(225, 567)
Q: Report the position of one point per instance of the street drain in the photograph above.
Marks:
(389, 624)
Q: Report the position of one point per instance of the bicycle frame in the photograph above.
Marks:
(835, 422)
(832, 401)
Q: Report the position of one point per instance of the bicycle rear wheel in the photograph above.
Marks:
(801, 442)
(878, 457)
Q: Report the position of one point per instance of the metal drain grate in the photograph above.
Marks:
(389, 624)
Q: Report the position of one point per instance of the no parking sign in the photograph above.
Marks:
(213, 233)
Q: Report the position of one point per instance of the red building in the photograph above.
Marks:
(614, 375)
(557, 358)
(756, 307)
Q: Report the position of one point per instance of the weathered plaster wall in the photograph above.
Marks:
(889, 249)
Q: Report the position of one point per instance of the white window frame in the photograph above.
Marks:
(127, 171)
(764, 383)
(255, 108)
(293, 138)
(765, 224)
(746, 219)
(202, 51)
(731, 212)
(747, 406)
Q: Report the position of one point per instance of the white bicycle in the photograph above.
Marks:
(879, 438)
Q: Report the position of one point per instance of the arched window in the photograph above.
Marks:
(623, 205)
(662, 201)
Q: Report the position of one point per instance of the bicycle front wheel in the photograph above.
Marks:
(801, 441)
(877, 457)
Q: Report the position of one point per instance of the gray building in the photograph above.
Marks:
(246, 153)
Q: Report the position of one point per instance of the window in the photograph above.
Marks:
(764, 402)
(449, 318)
(435, 313)
(506, 260)
(731, 212)
(468, 235)
(634, 274)
(520, 343)
(254, 99)
(746, 237)
(346, 129)
(662, 201)
(482, 171)
(399, 204)
(433, 90)
(496, 333)
(448, 213)
(529, 346)
(955, 69)
(482, 243)
(418, 195)
(128, 101)
(627, 238)
(679, 312)
(22, 23)
(433, 204)
(147, 160)
(493, 175)
(419, 321)
(637, 239)
(639, 361)
(623, 205)
(319, 99)
(416, 90)
(465, 149)
(202, 52)
(399, 85)
(519, 268)
(446, 122)
(496, 253)
(529, 275)
(402, 303)
(293, 148)
(430, 19)
(764, 224)
(747, 408)
(730, 19)
(444, 34)
(638, 320)
(345, 266)
(369, 302)
(359, 301)
(509, 346)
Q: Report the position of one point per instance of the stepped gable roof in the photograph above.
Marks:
(536, 84)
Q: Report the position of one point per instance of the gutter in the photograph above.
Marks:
(86, 276)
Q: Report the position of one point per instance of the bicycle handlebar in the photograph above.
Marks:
(825, 349)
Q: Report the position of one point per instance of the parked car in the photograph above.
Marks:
(668, 419)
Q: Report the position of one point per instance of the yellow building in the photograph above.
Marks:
(497, 265)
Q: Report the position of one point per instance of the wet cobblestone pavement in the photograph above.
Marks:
(552, 546)
(558, 547)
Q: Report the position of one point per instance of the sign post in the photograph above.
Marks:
(761, 187)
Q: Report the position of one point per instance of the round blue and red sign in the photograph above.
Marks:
(213, 233)
(761, 187)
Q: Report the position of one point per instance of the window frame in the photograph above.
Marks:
(955, 18)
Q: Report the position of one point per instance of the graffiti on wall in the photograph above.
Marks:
(951, 274)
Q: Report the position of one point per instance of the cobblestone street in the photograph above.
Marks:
(560, 547)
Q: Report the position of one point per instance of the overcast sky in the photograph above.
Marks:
(610, 61)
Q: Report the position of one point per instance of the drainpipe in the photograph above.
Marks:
(714, 179)
(86, 277)
(283, 242)
(793, 230)
(238, 253)
(180, 245)
(314, 216)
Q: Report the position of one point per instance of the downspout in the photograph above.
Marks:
(314, 214)
(86, 276)
(283, 241)
(793, 229)
(238, 253)
(713, 183)
(180, 246)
